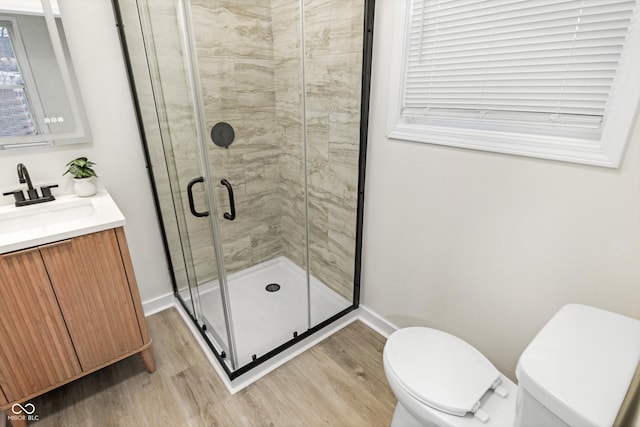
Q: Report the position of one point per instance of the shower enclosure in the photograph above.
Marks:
(254, 120)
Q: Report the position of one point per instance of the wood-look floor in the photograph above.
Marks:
(339, 382)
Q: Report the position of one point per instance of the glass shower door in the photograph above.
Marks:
(160, 61)
(255, 146)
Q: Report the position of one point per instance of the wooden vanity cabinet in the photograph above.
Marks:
(36, 349)
(68, 308)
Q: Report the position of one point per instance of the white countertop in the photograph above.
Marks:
(67, 216)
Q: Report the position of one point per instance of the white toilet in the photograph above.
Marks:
(575, 372)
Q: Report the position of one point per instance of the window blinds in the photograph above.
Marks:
(15, 114)
(528, 61)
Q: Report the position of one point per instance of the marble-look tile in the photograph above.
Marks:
(259, 3)
(262, 179)
(230, 167)
(285, 22)
(344, 131)
(317, 26)
(218, 82)
(332, 85)
(255, 82)
(292, 176)
(236, 254)
(318, 136)
(294, 241)
(266, 243)
(230, 230)
(341, 219)
(347, 27)
(288, 83)
(290, 130)
(233, 30)
(266, 156)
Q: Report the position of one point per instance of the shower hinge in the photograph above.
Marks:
(204, 327)
(254, 357)
(223, 355)
(295, 334)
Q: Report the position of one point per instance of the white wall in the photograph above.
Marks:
(94, 44)
(488, 246)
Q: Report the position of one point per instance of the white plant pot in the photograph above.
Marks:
(84, 187)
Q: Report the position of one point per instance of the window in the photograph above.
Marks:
(16, 118)
(545, 78)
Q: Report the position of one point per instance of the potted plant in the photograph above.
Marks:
(83, 176)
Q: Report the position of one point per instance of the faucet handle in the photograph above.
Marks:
(46, 190)
(17, 195)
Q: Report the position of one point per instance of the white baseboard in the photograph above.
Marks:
(158, 304)
(376, 322)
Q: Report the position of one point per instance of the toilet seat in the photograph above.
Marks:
(440, 370)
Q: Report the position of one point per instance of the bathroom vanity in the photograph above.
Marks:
(69, 300)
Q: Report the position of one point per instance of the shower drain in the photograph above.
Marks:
(272, 287)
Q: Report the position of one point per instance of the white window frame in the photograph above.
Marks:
(607, 150)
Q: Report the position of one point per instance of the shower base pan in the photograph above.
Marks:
(268, 308)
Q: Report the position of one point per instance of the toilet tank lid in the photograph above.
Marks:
(581, 363)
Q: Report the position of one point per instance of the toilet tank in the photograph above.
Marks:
(577, 370)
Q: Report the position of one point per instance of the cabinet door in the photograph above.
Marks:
(90, 282)
(35, 349)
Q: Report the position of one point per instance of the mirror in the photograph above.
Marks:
(40, 103)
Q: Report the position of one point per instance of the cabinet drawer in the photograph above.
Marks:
(89, 279)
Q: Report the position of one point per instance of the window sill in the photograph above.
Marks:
(572, 150)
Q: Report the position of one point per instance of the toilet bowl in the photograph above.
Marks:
(575, 373)
(440, 380)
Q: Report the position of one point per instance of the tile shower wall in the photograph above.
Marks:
(333, 55)
(235, 58)
(249, 59)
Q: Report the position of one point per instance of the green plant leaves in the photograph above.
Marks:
(80, 168)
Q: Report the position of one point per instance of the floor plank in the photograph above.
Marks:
(339, 382)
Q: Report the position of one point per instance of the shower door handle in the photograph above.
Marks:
(230, 216)
(192, 206)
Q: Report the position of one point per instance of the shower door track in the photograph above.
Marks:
(263, 358)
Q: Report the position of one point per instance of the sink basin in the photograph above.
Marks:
(63, 218)
(26, 217)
